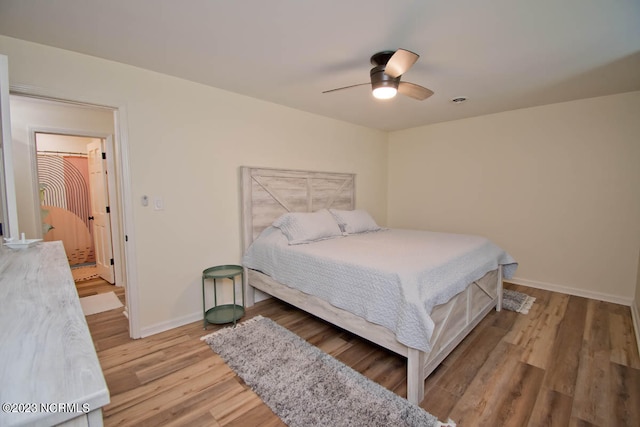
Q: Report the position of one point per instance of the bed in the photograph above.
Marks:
(322, 278)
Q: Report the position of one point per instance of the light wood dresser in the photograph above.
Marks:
(49, 369)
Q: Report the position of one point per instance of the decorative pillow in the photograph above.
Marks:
(356, 221)
(307, 227)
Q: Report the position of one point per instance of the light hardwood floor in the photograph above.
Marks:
(570, 362)
(98, 286)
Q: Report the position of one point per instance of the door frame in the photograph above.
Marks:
(123, 193)
(7, 181)
(112, 189)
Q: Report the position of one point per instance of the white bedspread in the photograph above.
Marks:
(393, 277)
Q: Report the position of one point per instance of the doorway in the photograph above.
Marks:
(17, 159)
(33, 121)
(74, 201)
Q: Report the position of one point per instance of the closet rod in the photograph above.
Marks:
(61, 152)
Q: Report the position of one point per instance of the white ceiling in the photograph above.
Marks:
(501, 54)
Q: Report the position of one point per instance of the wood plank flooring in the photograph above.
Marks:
(98, 286)
(570, 362)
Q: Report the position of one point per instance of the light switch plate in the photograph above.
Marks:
(158, 204)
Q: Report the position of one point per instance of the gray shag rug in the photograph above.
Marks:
(516, 301)
(305, 386)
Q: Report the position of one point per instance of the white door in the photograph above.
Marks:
(100, 212)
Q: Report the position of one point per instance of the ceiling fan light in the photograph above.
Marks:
(382, 85)
(385, 92)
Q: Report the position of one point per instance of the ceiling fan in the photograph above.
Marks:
(388, 68)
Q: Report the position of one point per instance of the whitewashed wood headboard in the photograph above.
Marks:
(268, 193)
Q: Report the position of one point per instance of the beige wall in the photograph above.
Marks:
(637, 302)
(558, 186)
(186, 144)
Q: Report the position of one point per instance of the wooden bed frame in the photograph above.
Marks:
(268, 193)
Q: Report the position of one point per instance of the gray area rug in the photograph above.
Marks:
(305, 386)
(516, 301)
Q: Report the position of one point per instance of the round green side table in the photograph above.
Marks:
(225, 313)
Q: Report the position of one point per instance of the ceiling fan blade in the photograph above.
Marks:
(346, 87)
(414, 91)
(400, 62)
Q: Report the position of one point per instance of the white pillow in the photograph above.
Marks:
(356, 221)
(307, 227)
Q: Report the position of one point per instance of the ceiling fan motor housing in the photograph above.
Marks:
(381, 58)
(380, 79)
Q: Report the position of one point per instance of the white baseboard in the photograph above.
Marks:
(171, 324)
(635, 315)
(616, 299)
(181, 321)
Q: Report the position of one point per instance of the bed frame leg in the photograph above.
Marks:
(499, 289)
(249, 291)
(415, 381)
